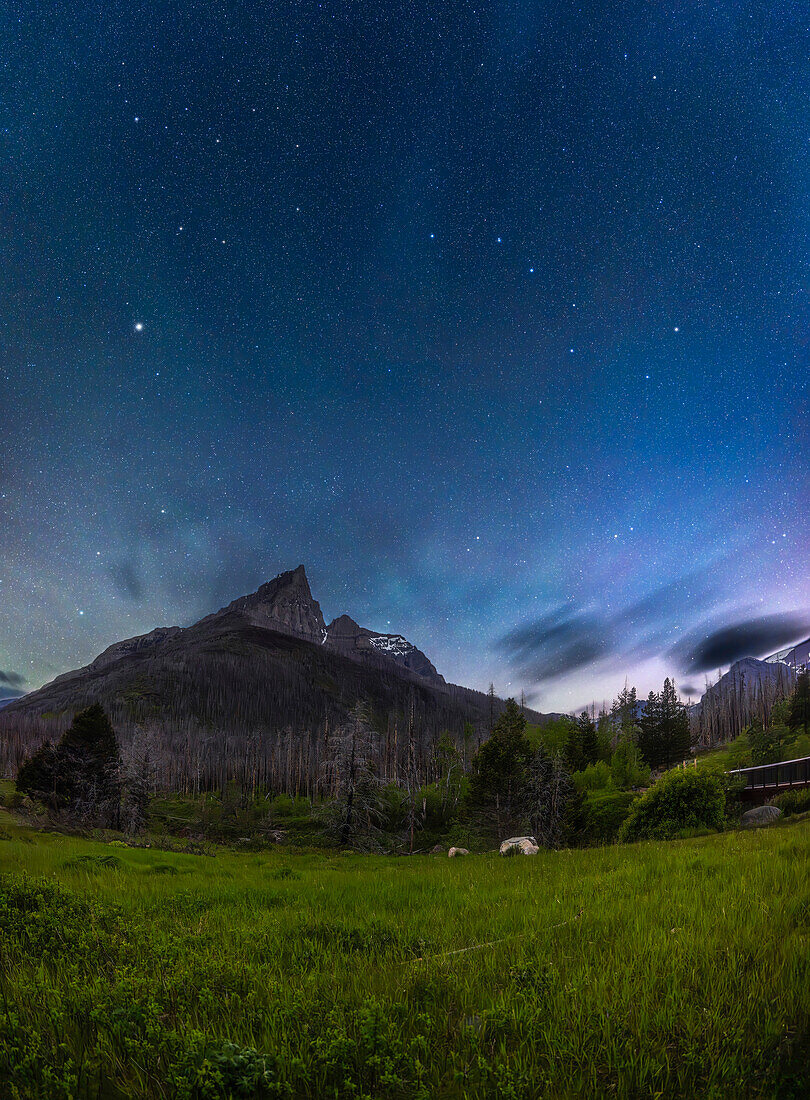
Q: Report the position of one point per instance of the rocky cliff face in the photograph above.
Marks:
(749, 688)
(347, 636)
(284, 604)
(140, 644)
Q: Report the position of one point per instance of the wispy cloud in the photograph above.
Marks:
(568, 638)
(703, 651)
(11, 679)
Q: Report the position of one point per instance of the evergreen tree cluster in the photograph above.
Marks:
(515, 784)
(82, 773)
(664, 736)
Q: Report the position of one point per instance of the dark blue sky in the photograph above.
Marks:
(493, 315)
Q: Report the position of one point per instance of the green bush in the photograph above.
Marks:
(438, 811)
(595, 817)
(793, 802)
(393, 805)
(604, 813)
(232, 1071)
(733, 785)
(681, 799)
(282, 806)
(596, 777)
(626, 766)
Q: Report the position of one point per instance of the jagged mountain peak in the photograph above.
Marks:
(285, 604)
(293, 580)
(343, 625)
(347, 636)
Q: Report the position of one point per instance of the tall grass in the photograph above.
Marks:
(653, 969)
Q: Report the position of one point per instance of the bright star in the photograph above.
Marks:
(139, 326)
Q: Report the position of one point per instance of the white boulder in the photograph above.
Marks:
(458, 852)
(526, 845)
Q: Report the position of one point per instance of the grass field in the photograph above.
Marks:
(678, 969)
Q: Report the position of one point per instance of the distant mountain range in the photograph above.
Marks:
(266, 671)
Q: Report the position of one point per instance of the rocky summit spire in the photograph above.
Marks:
(284, 604)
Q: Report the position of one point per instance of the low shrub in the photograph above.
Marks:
(40, 920)
(164, 869)
(793, 802)
(596, 777)
(282, 806)
(600, 815)
(682, 799)
(230, 1070)
(93, 863)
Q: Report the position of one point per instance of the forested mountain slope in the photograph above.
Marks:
(257, 687)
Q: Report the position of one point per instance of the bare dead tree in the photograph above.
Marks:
(354, 815)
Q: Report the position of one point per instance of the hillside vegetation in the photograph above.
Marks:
(676, 969)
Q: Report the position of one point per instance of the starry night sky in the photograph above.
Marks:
(493, 314)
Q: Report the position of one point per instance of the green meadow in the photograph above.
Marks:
(655, 969)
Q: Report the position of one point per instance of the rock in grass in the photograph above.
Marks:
(458, 852)
(761, 815)
(526, 845)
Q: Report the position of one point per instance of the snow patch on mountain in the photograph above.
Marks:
(392, 644)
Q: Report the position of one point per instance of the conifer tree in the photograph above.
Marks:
(799, 713)
(82, 773)
(664, 734)
(588, 739)
(355, 815)
(572, 747)
(676, 734)
(467, 736)
(625, 708)
(90, 764)
(37, 775)
(499, 765)
(649, 730)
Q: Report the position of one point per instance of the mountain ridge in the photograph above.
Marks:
(262, 671)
